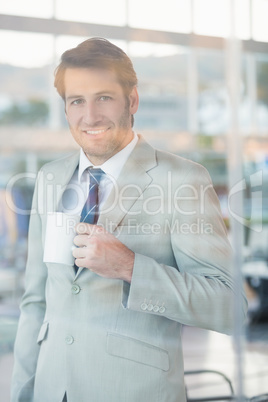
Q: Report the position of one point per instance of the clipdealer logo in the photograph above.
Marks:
(254, 212)
(166, 227)
(157, 202)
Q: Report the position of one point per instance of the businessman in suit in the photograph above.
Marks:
(109, 327)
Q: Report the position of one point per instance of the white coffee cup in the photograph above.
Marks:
(60, 233)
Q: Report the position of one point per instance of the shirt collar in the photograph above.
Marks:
(113, 166)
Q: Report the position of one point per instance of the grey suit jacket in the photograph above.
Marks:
(103, 339)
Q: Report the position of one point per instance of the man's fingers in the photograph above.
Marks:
(80, 262)
(81, 240)
(83, 228)
(85, 240)
(79, 252)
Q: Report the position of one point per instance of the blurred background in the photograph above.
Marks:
(202, 67)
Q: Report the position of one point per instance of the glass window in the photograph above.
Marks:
(164, 75)
(29, 8)
(262, 94)
(23, 48)
(212, 97)
(259, 15)
(168, 15)
(161, 72)
(24, 94)
(248, 95)
(212, 17)
(242, 19)
(98, 12)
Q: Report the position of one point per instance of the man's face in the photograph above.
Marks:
(98, 112)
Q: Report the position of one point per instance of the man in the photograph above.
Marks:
(109, 328)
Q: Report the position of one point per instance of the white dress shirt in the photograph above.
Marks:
(76, 192)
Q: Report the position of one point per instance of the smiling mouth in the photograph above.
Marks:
(96, 132)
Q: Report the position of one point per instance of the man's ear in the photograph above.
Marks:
(133, 101)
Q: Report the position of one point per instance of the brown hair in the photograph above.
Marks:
(97, 53)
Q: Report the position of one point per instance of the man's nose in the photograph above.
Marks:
(91, 114)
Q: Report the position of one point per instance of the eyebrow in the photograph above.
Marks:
(103, 92)
(68, 98)
(108, 91)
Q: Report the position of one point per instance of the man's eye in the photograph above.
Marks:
(105, 98)
(77, 101)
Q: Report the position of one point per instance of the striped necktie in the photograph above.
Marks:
(90, 210)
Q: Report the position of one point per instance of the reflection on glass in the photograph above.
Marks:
(262, 94)
(97, 12)
(25, 49)
(212, 98)
(168, 15)
(25, 81)
(161, 70)
(248, 96)
(259, 15)
(212, 17)
(242, 19)
(27, 75)
(29, 8)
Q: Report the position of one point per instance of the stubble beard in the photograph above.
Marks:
(99, 156)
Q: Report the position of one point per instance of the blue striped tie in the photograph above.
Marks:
(90, 210)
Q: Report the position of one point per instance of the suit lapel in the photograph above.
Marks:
(132, 182)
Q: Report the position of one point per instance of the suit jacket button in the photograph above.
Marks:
(75, 289)
(144, 306)
(69, 339)
(162, 310)
(156, 309)
(150, 307)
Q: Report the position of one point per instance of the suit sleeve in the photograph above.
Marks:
(199, 291)
(32, 312)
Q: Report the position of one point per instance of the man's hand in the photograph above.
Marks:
(102, 253)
